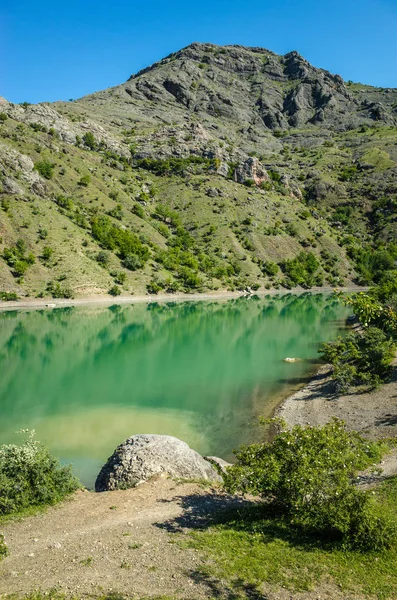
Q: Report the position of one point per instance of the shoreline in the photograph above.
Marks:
(373, 414)
(104, 300)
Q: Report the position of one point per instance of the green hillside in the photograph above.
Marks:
(216, 168)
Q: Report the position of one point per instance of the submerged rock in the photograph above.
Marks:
(143, 456)
(218, 462)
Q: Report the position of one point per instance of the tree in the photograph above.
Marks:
(45, 168)
(89, 140)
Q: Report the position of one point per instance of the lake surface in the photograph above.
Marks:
(87, 378)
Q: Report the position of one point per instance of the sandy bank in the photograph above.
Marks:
(373, 414)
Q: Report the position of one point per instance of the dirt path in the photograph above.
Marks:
(114, 541)
(127, 543)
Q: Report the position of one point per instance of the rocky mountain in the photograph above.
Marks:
(217, 167)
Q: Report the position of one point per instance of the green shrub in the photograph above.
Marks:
(301, 270)
(348, 173)
(57, 291)
(189, 278)
(115, 290)
(154, 287)
(20, 268)
(47, 253)
(89, 140)
(43, 233)
(5, 204)
(17, 259)
(8, 296)
(176, 166)
(84, 181)
(30, 476)
(3, 117)
(121, 277)
(64, 202)
(306, 475)
(374, 265)
(360, 358)
(45, 168)
(112, 237)
(3, 547)
(103, 258)
(116, 212)
(270, 268)
(275, 176)
(138, 211)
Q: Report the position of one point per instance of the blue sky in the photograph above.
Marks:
(60, 50)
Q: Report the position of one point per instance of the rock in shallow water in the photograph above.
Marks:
(143, 456)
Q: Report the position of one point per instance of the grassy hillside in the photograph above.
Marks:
(108, 194)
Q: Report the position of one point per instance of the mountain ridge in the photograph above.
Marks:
(223, 163)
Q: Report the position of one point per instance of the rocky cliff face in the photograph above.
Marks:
(250, 86)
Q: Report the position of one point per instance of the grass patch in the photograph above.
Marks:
(57, 595)
(253, 547)
(378, 158)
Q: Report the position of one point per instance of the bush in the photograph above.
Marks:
(30, 476)
(8, 296)
(306, 474)
(374, 266)
(20, 268)
(360, 358)
(175, 165)
(301, 270)
(154, 287)
(58, 291)
(103, 258)
(64, 202)
(112, 237)
(138, 211)
(121, 277)
(17, 259)
(84, 181)
(89, 140)
(47, 253)
(132, 262)
(45, 168)
(189, 278)
(115, 290)
(3, 547)
(270, 268)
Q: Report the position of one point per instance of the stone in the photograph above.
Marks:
(215, 460)
(144, 456)
(250, 170)
(10, 186)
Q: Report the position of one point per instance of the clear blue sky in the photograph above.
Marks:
(53, 50)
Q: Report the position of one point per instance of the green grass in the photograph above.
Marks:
(378, 158)
(250, 548)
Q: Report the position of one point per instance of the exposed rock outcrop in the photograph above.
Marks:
(141, 457)
(250, 170)
(11, 162)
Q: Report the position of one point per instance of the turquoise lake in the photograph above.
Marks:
(86, 378)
